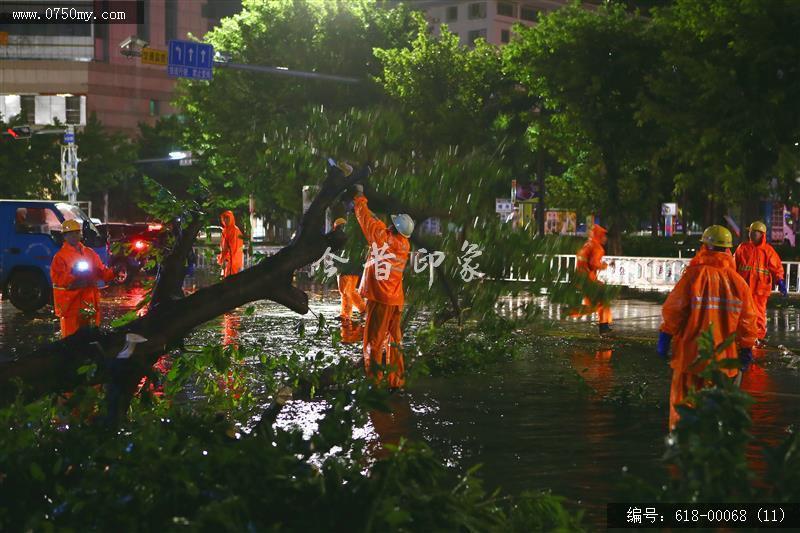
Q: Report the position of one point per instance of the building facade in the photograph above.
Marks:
(492, 20)
(66, 72)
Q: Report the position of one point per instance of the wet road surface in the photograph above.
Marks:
(568, 415)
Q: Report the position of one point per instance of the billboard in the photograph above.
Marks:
(560, 222)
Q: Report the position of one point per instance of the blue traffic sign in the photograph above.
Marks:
(69, 138)
(186, 59)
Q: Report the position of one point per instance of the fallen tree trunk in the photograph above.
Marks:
(54, 367)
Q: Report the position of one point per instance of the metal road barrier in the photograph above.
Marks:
(207, 256)
(648, 273)
(645, 273)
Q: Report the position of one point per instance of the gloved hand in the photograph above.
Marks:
(782, 287)
(745, 358)
(664, 340)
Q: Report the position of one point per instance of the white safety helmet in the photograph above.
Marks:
(404, 224)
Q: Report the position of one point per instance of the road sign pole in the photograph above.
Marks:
(69, 166)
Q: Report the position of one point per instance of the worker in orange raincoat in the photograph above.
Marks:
(382, 286)
(758, 263)
(231, 255)
(348, 283)
(75, 271)
(590, 262)
(709, 292)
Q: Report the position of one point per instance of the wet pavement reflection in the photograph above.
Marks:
(568, 415)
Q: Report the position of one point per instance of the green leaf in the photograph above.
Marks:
(127, 318)
(36, 472)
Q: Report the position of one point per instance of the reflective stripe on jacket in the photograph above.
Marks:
(70, 301)
(709, 292)
(759, 265)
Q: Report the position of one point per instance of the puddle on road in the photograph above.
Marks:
(568, 415)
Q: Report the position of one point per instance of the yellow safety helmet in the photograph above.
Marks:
(718, 236)
(758, 226)
(70, 225)
(339, 222)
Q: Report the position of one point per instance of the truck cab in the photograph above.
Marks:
(30, 235)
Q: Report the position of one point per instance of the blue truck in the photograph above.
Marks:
(30, 235)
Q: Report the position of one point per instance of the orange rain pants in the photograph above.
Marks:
(760, 305)
(351, 332)
(760, 266)
(77, 308)
(348, 290)
(382, 342)
(709, 292)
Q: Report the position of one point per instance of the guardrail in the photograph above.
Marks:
(207, 256)
(646, 273)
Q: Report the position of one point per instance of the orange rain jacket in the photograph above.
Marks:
(709, 292)
(388, 291)
(696, 259)
(590, 256)
(69, 302)
(760, 266)
(231, 245)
